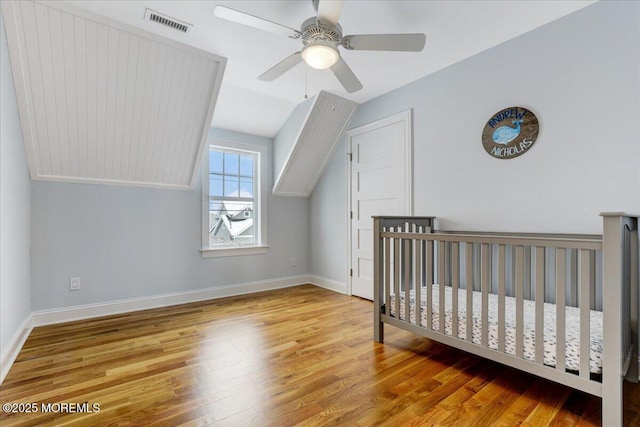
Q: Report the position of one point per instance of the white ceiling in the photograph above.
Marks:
(455, 30)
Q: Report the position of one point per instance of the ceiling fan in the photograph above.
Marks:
(321, 35)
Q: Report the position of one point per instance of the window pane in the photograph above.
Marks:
(246, 187)
(246, 165)
(230, 185)
(234, 227)
(215, 185)
(215, 161)
(215, 206)
(232, 175)
(231, 164)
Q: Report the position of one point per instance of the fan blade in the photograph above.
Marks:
(346, 76)
(394, 42)
(281, 67)
(255, 22)
(329, 11)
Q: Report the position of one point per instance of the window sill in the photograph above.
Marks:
(239, 251)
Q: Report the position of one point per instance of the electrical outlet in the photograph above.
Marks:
(293, 261)
(74, 284)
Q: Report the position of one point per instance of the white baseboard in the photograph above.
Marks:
(11, 351)
(329, 284)
(81, 312)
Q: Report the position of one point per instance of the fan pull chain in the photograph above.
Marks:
(333, 83)
(305, 82)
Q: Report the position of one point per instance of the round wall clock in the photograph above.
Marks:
(510, 133)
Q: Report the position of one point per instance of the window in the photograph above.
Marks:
(233, 205)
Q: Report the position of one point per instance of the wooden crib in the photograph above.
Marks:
(535, 302)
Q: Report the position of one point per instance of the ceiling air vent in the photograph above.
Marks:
(154, 16)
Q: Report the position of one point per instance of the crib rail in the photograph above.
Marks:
(477, 292)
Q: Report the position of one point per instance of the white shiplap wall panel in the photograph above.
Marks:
(187, 85)
(81, 60)
(147, 103)
(91, 65)
(62, 107)
(102, 82)
(50, 150)
(133, 50)
(36, 158)
(70, 90)
(169, 135)
(123, 68)
(102, 102)
(202, 72)
(159, 64)
(111, 89)
(325, 123)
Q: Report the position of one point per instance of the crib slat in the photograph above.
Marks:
(455, 285)
(396, 275)
(572, 254)
(387, 274)
(441, 281)
(418, 278)
(584, 298)
(540, 305)
(429, 301)
(560, 307)
(406, 280)
(485, 265)
(502, 264)
(528, 293)
(519, 271)
(468, 251)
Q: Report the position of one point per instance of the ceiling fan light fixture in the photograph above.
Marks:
(320, 55)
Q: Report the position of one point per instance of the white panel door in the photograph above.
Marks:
(380, 185)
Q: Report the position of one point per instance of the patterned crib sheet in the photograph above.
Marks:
(572, 329)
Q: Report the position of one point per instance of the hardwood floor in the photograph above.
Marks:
(301, 355)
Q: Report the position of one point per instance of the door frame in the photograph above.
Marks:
(405, 117)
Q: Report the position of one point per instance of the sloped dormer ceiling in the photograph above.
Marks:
(310, 148)
(103, 102)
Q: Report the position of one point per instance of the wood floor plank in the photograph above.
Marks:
(296, 356)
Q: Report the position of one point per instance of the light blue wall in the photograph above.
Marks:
(580, 75)
(15, 196)
(286, 138)
(134, 242)
(328, 242)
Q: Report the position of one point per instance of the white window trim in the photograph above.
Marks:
(261, 246)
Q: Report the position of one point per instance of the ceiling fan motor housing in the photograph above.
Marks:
(314, 30)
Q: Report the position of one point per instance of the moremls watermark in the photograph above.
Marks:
(55, 408)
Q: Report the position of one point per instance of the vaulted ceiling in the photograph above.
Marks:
(455, 29)
(106, 95)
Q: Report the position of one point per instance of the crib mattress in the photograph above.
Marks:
(572, 330)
